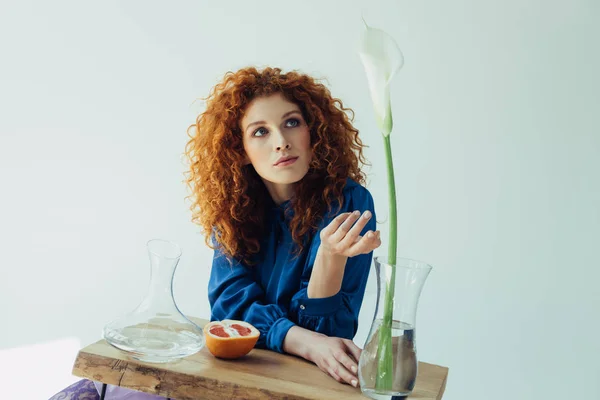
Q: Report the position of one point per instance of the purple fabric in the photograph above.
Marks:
(119, 393)
(81, 390)
(89, 390)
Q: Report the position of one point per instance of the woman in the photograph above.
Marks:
(275, 184)
(275, 179)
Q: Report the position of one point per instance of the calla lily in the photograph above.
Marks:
(381, 58)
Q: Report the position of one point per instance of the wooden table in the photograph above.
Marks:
(261, 374)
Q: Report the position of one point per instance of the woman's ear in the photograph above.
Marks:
(246, 161)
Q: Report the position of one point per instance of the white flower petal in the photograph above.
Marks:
(382, 59)
(378, 87)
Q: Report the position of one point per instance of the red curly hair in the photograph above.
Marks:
(229, 200)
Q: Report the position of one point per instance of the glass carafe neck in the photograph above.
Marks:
(164, 257)
(161, 276)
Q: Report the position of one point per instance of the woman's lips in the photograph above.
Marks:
(287, 162)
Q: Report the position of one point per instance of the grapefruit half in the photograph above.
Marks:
(230, 338)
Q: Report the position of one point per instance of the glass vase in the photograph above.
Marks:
(388, 365)
(156, 331)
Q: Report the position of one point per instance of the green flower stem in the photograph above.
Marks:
(385, 363)
(392, 199)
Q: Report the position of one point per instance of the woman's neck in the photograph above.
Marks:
(280, 193)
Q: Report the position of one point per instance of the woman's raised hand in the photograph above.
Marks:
(342, 235)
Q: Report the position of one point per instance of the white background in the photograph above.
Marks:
(496, 149)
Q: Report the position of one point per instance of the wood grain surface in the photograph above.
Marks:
(261, 374)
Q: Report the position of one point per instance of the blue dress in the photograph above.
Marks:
(271, 295)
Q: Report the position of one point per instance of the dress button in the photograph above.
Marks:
(302, 306)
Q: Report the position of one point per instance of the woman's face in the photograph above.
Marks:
(277, 143)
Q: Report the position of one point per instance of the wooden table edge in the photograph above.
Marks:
(157, 371)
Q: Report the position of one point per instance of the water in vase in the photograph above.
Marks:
(404, 362)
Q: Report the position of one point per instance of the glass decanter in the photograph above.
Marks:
(396, 379)
(156, 331)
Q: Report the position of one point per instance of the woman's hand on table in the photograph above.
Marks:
(337, 357)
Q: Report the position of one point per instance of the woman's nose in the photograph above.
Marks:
(280, 141)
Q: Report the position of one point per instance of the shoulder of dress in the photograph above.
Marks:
(354, 189)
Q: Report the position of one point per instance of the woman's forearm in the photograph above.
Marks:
(327, 274)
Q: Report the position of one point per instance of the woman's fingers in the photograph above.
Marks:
(348, 363)
(334, 375)
(339, 357)
(334, 225)
(366, 244)
(345, 227)
(342, 235)
(352, 234)
(353, 349)
(342, 374)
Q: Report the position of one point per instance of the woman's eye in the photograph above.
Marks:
(292, 123)
(260, 132)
